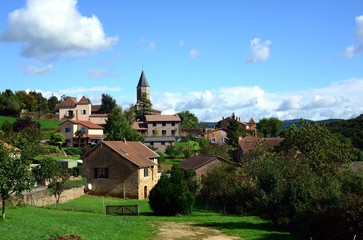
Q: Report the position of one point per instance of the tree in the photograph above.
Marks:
(235, 131)
(57, 185)
(41, 102)
(57, 139)
(214, 149)
(107, 103)
(118, 128)
(10, 104)
(270, 126)
(188, 120)
(23, 123)
(142, 108)
(15, 175)
(171, 195)
(79, 135)
(52, 102)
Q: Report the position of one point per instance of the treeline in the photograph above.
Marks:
(11, 104)
(352, 129)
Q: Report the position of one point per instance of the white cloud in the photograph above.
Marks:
(260, 51)
(351, 51)
(85, 90)
(341, 99)
(31, 70)
(52, 28)
(193, 53)
(98, 73)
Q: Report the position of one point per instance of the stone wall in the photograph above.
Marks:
(43, 198)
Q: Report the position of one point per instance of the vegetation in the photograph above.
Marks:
(188, 120)
(142, 108)
(171, 195)
(270, 126)
(108, 103)
(235, 131)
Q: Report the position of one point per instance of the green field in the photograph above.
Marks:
(44, 124)
(85, 217)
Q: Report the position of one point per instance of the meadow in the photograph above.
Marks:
(85, 217)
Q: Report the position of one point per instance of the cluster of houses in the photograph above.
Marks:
(130, 169)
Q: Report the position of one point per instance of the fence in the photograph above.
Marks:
(122, 209)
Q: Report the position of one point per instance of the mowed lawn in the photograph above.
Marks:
(44, 124)
(85, 217)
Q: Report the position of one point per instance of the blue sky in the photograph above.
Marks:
(287, 59)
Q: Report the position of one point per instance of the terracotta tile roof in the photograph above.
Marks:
(84, 100)
(87, 124)
(69, 102)
(95, 108)
(162, 118)
(249, 143)
(98, 115)
(198, 161)
(135, 152)
(139, 126)
(216, 130)
(252, 121)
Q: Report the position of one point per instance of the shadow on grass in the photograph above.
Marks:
(273, 235)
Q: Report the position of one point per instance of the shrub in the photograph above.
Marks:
(171, 195)
(73, 151)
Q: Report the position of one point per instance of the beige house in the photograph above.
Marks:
(218, 135)
(92, 133)
(82, 110)
(121, 169)
(250, 127)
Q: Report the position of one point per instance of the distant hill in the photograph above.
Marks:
(287, 123)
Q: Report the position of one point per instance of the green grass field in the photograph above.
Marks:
(44, 124)
(85, 217)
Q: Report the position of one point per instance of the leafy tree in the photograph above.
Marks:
(214, 149)
(15, 175)
(57, 139)
(79, 135)
(118, 128)
(107, 103)
(270, 126)
(171, 195)
(52, 102)
(130, 114)
(7, 127)
(42, 103)
(235, 131)
(57, 185)
(28, 101)
(188, 120)
(23, 123)
(10, 104)
(142, 108)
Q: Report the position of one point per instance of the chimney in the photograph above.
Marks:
(125, 140)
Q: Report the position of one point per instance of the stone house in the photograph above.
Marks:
(202, 164)
(247, 144)
(92, 133)
(121, 169)
(250, 127)
(218, 135)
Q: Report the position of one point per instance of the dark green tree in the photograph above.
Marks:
(214, 149)
(188, 120)
(10, 105)
(142, 108)
(270, 126)
(171, 195)
(108, 103)
(118, 128)
(52, 102)
(57, 139)
(41, 102)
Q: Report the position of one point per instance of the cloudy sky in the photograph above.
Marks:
(254, 58)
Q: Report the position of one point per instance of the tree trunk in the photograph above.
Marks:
(3, 208)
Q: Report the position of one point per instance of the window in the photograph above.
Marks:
(154, 124)
(162, 143)
(164, 124)
(146, 172)
(69, 113)
(224, 140)
(163, 132)
(84, 112)
(173, 124)
(213, 140)
(68, 129)
(83, 129)
(100, 173)
(173, 132)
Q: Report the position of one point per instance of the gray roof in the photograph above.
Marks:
(143, 81)
(160, 139)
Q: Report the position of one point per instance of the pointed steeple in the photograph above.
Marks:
(143, 81)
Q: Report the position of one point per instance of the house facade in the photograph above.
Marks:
(248, 144)
(92, 133)
(121, 169)
(250, 127)
(218, 135)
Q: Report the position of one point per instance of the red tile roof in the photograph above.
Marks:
(69, 102)
(135, 152)
(139, 126)
(87, 124)
(162, 118)
(199, 161)
(95, 108)
(249, 143)
(99, 115)
(84, 100)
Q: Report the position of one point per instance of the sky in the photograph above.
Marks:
(254, 58)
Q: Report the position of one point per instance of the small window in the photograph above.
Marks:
(100, 173)
(151, 143)
(154, 124)
(146, 172)
(173, 124)
(224, 140)
(163, 132)
(213, 140)
(68, 129)
(162, 143)
(164, 124)
(83, 129)
(83, 112)
(173, 132)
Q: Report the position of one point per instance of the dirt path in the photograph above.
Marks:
(186, 231)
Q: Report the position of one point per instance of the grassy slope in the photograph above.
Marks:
(43, 123)
(41, 223)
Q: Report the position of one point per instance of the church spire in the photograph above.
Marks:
(143, 87)
(143, 81)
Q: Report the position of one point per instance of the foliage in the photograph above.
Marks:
(188, 120)
(7, 127)
(171, 195)
(73, 151)
(79, 134)
(58, 183)
(48, 169)
(143, 107)
(107, 103)
(270, 126)
(23, 123)
(190, 176)
(10, 104)
(52, 102)
(351, 129)
(235, 131)
(15, 175)
(57, 139)
(118, 128)
(214, 149)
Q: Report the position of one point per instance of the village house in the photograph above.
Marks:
(218, 135)
(202, 164)
(92, 133)
(122, 169)
(247, 144)
(249, 127)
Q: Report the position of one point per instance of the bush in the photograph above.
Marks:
(47, 150)
(73, 151)
(171, 195)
